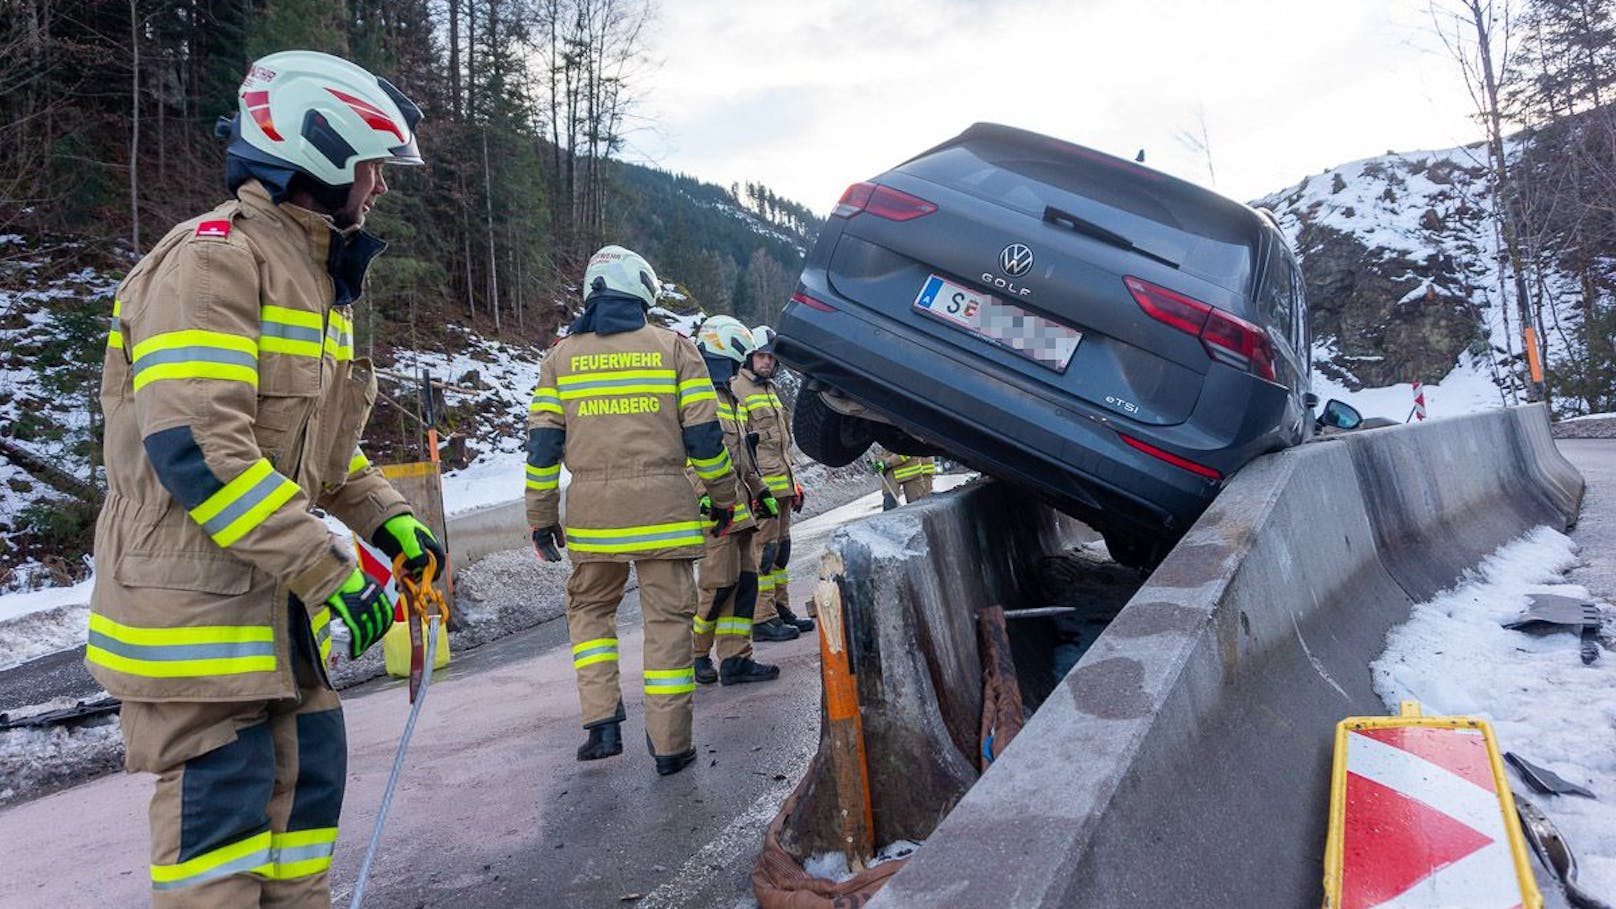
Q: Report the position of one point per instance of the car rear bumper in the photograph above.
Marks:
(1069, 454)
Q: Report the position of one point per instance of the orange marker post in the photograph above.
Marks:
(845, 729)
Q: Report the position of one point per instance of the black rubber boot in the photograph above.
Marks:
(705, 673)
(774, 630)
(790, 618)
(739, 670)
(888, 501)
(605, 737)
(605, 740)
(669, 764)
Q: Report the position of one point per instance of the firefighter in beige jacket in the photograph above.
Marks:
(624, 405)
(728, 573)
(768, 419)
(233, 403)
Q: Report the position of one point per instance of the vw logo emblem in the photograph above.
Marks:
(1016, 260)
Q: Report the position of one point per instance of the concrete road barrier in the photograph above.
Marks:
(492, 528)
(1185, 759)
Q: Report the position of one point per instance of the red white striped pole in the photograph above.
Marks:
(1419, 401)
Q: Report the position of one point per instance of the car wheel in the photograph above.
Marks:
(831, 438)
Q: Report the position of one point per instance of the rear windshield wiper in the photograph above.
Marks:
(1053, 215)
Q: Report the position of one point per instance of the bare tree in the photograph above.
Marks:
(1477, 35)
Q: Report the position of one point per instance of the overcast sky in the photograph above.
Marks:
(811, 95)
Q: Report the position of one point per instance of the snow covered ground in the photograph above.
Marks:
(1455, 658)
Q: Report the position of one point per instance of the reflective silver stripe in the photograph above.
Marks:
(592, 651)
(658, 382)
(673, 685)
(169, 652)
(304, 853)
(289, 332)
(584, 536)
(194, 354)
(244, 503)
(237, 866)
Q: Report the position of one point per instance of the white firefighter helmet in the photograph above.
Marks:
(320, 115)
(624, 271)
(764, 335)
(725, 336)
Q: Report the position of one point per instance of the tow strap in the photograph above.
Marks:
(418, 596)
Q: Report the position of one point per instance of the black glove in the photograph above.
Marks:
(362, 606)
(404, 533)
(796, 500)
(767, 505)
(548, 542)
(722, 518)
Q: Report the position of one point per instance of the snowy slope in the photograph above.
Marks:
(1402, 266)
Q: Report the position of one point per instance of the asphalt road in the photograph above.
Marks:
(493, 809)
(1596, 529)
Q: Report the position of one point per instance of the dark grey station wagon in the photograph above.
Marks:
(1114, 339)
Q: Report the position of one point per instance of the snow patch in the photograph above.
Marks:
(1454, 657)
(832, 866)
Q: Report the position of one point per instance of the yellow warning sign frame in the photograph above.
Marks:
(1335, 844)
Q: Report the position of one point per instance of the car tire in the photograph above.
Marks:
(831, 438)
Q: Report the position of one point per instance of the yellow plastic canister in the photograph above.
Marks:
(396, 648)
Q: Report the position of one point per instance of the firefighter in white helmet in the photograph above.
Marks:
(768, 418)
(233, 404)
(727, 574)
(625, 405)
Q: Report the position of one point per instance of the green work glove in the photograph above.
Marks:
(768, 504)
(880, 466)
(706, 504)
(363, 607)
(405, 534)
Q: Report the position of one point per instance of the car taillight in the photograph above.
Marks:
(811, 303)
(1200, 470)
(882, 201)
(1238, 343)
(1228, 339)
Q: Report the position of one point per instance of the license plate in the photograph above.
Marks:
(1025, 334)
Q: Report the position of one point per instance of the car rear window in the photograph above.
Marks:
(1217, 239)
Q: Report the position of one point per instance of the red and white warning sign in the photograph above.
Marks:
(1420, 817)
(1419, 401)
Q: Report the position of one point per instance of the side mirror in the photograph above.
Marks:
(1340, 415)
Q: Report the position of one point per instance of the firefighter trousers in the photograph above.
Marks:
(772, 546)
(728, 583)
(668, 604)
(917, 489)
(248, 795)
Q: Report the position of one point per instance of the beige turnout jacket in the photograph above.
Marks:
(625, 412)
(233, 403)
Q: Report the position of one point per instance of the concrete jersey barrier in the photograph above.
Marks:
(1185, 759)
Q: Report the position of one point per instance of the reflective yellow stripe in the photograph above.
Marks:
(765, 582)
(735, 625)
(693, 390)
(249, 856)
(714, 467)
(670, 681)
(339, 337)
(320, 624)
(294, 332)
(188, 652)
(244, 503)
(545, 399)
(634, 539)
(778, 484)
(599, 650)
(726, 412)
(115, 337)
(757, 402)
(300, 853)
(358, 462)
(543, 477)
(616, 382)
(194, 354)
(702, 626)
